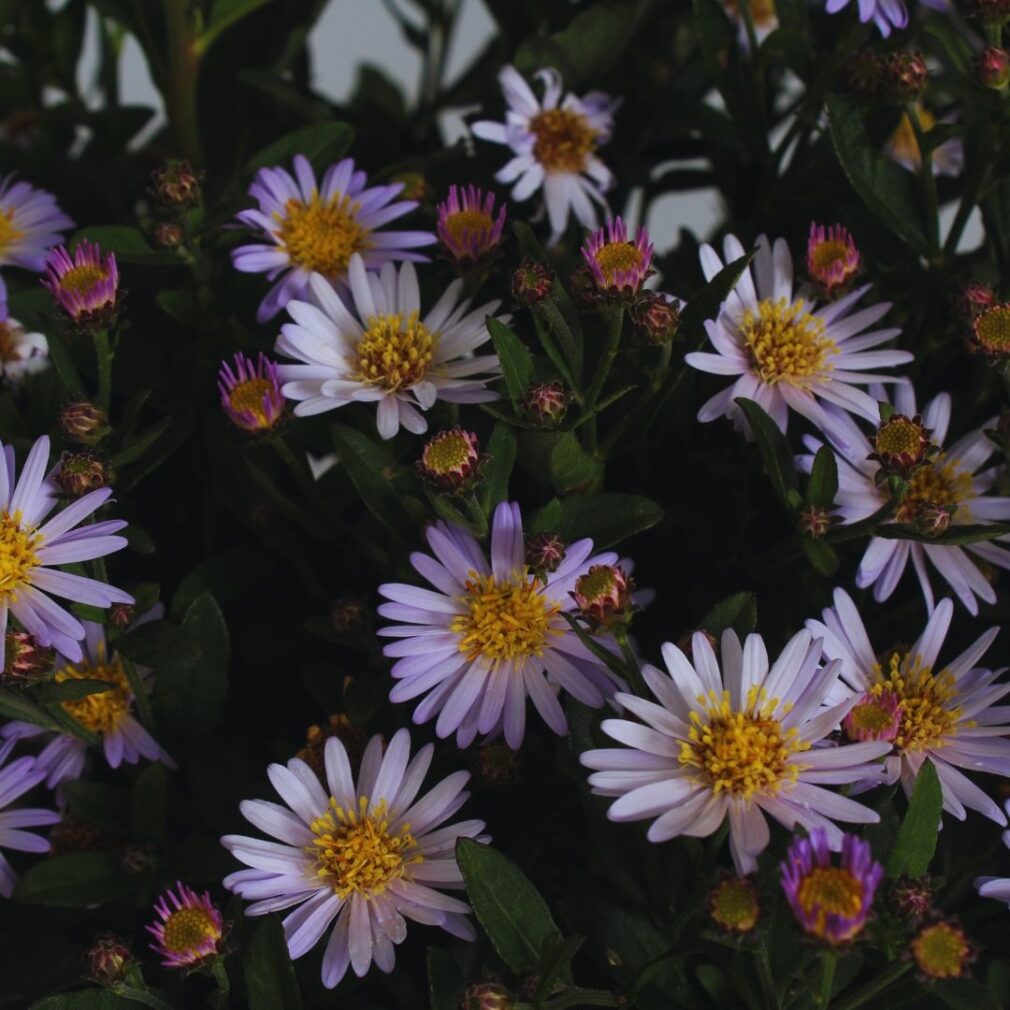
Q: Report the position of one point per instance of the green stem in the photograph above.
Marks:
(476, 514)
(928, 178)
(829, 962)
(875, 986)
(614, 332)
(764, 966)
(220, 973)
(630, 661)
(182, 77)
(103, 359)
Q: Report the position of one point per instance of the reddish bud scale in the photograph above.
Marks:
(814, 521)
(546, 404)
(486, 996)
(79, 473)
(176, 185)
(902, 445)
(531, 282)
(655, 317)
(83, 422)
(545, 552)
(452, 461)
(603, 596)
(904, 76)
(24, 659)
(107, 959)
(973, 299)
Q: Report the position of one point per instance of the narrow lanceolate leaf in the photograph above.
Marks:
(738, 612)
(823, 484)
(516, 360)
(775, 452)
(501, 450)
(917, 836)
(269, 975)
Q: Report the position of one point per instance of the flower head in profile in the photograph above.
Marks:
(490, 634)
(738, 738)
(17, 778)
(833, 259)
(311, 226)
(31, 223)
(618, 264)
(467, 225)
(554, 141)
(948, 712)
(189, 928)
(21, 353)
(831, 902)
(31, 546)
(251, 392)
(954, 483)
(363, 854)
(903, 146)
(786, 353)
(86, 285)
(376, 347)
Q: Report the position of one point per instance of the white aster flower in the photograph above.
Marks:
(742, 741)
(785, 350)
(21, 353)
(367, 854)
(381, 349)
(955, 477)
(996, 887)
(945, 713)
(554, 143)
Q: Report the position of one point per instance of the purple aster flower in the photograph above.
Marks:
(885, 14)
(467, 226)
(366, 854)
(313, 227)
(189, 928)
(830, 902)
(30, 545)
(491, 634)
(615, 262)
(251, 392)
(16, 779)
(85, 286)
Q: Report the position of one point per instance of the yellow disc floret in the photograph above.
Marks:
(928, 716)
(564, 140)
(17, 554)
(101, 712)
(248, 396)
(187, 929)
(395, 352)
(786, 343)
(322, 235)
(9, 234)
(943, 482)
(615, 257)
(942, 951)
(465, 223)
(831, 891)
(992, 330)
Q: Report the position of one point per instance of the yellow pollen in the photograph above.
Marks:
(943, 482)
(395, 353)
(102, 712)
(468, 222)
(992, 329)
(356, 852)
(618, 256)
(830, 890)
(187, 929)
(83, 278)
(598, 581)
(941, 951)
(786, 343)
(17, 554)
(899, 437)
(322, 236)
(903, 144)
(733, 905)
(510, 619)
(742, 752)
(871, 717)
(827, 253)
(248, 396)
(8, 233)
(927, 716)
(447, 455)
(564, 140)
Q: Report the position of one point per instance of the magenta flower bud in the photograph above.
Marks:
(992, 68)
(86, 286)
(618, 266)
(452, 461)
(833, 260)
(546, 404)
(877, 716)
(603, 596)
(467, 225)
(251, 392)
(189, 928)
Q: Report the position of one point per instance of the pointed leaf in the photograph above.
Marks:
(916, 842)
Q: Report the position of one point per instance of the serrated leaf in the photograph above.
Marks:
(269, 975)
(516, 360)
(775, 452)
(738, 612)
(916, 842)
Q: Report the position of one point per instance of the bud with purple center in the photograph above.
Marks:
(25, 660)
(83, 422)
(251, 392)
(904, 76)
(545, 552)
(176, 185)
(546, 403)
(901, 446)
(467, 226)
(655, 317)
(452, 461)
(85, 286)
(531, 282)
(107, 960)
(833, 260)
(603, 596)
(79, 473)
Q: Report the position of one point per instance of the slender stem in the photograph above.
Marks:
(558, 325)
(182, 77)
(103, 358)
(220, 973)
(603, 368)
(631, 662)
(764, 966)
(829, 962)
(928, 177)
(875, 986)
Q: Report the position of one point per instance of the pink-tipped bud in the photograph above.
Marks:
(79, 473)
(176, 185)
(603, 596)
(973, 299)
(531, 282)
(107, 959)
(901, 446)
(905, 76)
(933, 520)
(992, 68)
(546, 404)
(452, 461)
(25, 660)
(655, 317)
(545, 552)
(833, 261)
(877, 716)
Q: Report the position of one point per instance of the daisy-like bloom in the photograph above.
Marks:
(616, 263)
(953, 478)
(189, 927)
(21, 353)
(86, 285)
(31, 222)
(16, 779)
(996, 887)
(251, 392)
(787, 353)
(109, 714)
(554, 141)
(832, 258)
(947, 713)
(902, 147)
(764, 17)
(30, 545)
(990, 331)
(490, 634)
(313, 227)
(467, 225)
(740, 741)
(381, 350)
(830, 902)
(367, 854)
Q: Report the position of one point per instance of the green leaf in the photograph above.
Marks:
(556, 963)
(885, 188)
(103, 804)
(79, 880)
(85, 999)
(516, 360)
(967, 533)
(269, 975)
(445, 980)
(501, 450)
(320, 142)
(223, 14)
(965, 994)
(606, 518)
(129, 244)
(507, 905)
(69, 690)
(571, 467)
(140, 445)
(823, 484)
(821, 555)
(775, 451)
(228, 576)
(370, 467)
(529, 244)
(738, 612)
(14, 705)
(954, 45)
(917, 836)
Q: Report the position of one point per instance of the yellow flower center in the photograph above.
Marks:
(8, 233)
(17, 554)
(741, 752)
(941, 951)
(899, 436)
(448, 454)
(733, 905)
(903, 143)
(248, 396)
(871, 717)
(830, 890)
(786, 343)
(82, 278)
(322, 236)
(394, 352)
(992, 329)
(464, 223)
(618, 256)
(187, 929)
(828, 253)
(597, 582)
(941, 483)
(102, 712)
(564, 140)
(510, 619)
(927, 717)
(355, 850)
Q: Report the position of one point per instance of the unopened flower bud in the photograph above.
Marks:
(486, 996)
(992, 67)
(901, 446)
(84, 422)
(733, 905)
(941, 949)
(79, 473)
(861, 75)
(655, 317)
(120, 614)
(177, 185)
(991, 332)
(107, 959)
(546, 404)
(498, 765)
(137, 858)
(933, 520)
(24, 659)
(833, 260)
(603, 596)
(814, 521)
(531, 282)
(545, 552)
(415, 186)
(351, 736)
(973, 299)
(904, 77)
(168, 235)
(876, 716)
(911, 898)
(452, 461)
(349, 615)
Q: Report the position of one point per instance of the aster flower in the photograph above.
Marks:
(490, 634)
(616, 263)
(30, 545)
(830, 902)
(366, 854)
(554, 142)
(741, 740)
(903, 147)
(948, 713)
(251, 392)
(953, 478)
(189, 927)
(885, 14)
(785, 352)
(380, 349)
(467, 225)
(832, 258)
(21, 353)
(86, 285)
(996, 887)
(16, 779)
(316, 227)
(31, 222)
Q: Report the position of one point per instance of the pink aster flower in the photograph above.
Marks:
(84, 286)
(467, 225)
(189, 927)
(251, 392)
(616, 263)
(832, 257)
